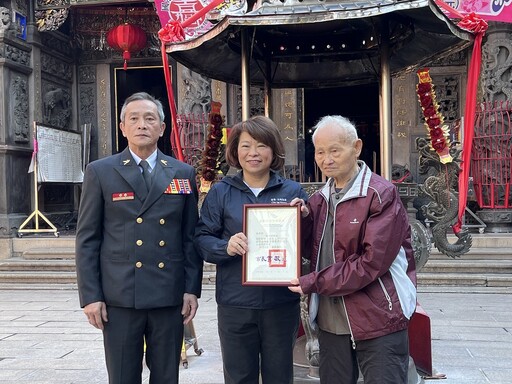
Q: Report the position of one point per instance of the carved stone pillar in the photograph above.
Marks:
(286, 116)
(103, 138)
(15, 135)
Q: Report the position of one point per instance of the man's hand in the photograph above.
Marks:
(96, 314)
(189, 307)
(295, 286)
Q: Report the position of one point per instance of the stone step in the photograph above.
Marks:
(49, 253)
(39, 277)
(37, 265)
(468, 266)
(476, 253)
(465, 279)
(37, 286)
(54, 271)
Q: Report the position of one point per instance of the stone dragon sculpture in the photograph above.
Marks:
(442, 188)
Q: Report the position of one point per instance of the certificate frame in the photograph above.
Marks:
(273, 235)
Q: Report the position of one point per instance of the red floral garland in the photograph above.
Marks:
(209, 160)
(438, 132)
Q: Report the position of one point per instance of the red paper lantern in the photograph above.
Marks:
(127, 38)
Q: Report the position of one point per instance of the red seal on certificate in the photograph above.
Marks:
(277, 258)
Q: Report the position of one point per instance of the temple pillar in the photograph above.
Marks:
(16, 109)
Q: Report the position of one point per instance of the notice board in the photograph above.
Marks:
(59, 155)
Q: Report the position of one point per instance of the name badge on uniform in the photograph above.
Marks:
(120, 196)
(179, 187)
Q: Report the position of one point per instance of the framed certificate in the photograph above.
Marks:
(273, 235)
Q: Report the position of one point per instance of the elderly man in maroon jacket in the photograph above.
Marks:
(362, 284)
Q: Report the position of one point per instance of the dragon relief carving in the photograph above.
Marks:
(497, 70)
(442, 188)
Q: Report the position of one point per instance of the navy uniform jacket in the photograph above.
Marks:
(135, 249)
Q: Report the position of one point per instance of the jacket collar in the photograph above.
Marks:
(358, 189)
(237, 180)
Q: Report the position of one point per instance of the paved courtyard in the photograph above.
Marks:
(45, 338)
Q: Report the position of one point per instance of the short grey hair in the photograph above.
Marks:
(143, 96)
(346, 128)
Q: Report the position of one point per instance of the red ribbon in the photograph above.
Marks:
(477, 26)
(174, 32)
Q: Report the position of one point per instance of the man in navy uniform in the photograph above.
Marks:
(139, 276)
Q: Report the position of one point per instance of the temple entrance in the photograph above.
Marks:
(140, 79)
(358, 103)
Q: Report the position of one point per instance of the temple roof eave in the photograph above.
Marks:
(214, 55)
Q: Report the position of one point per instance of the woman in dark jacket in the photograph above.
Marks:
(257, 324)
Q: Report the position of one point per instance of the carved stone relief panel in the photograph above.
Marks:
(19, 112)
(86, 74)
(87, 94)
(57, 43)
(496, 72)
(449, 88)
(195, 90)
(256, 102)
(88, 113)
(15, 54)
(56, 105)
(57, 68)
(448, 95)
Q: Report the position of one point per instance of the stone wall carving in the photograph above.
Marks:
(448, 96)
(197, 93)
(256, 102)
(497, 69)
(56, 106)
(15, 54)
(59, 69)
(60, 45)
(18, 91)
(87, 113)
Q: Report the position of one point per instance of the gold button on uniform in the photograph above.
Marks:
(139, 220)
(138, 264)
(139, 242)
(162, 221)
(161, 265)
(161, 243)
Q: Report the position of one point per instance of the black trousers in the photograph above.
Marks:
(123, 338)
(383, 360)
(254, 339)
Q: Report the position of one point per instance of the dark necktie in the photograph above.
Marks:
(146, 173)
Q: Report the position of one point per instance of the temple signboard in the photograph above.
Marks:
(181, 10)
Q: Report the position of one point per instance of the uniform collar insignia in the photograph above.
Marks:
(164, 162)
(126, 161)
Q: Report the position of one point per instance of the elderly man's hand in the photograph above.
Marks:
(295, 286)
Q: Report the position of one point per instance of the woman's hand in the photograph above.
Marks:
(237, 244)
(303, 208)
